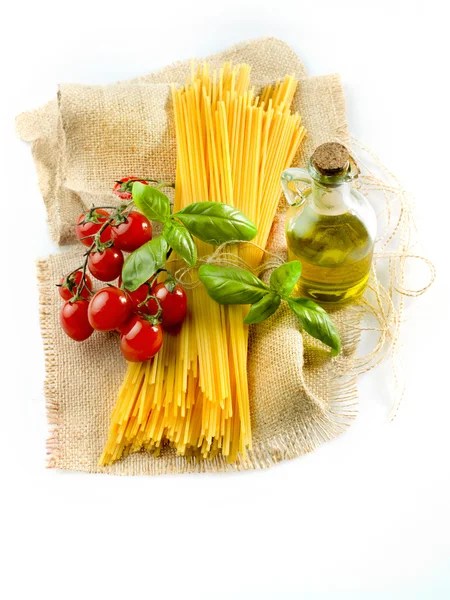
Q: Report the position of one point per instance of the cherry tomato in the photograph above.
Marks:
(73, 317)
(138, 296)
(91, 228)
(109, 309)
(68, 286)
(124, 186)
(173, 304)
(140, 340)
(133, 233)
(106, 265)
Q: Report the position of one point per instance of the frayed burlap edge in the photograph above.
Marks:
(46, 287)
(303, 437)
(40, 127)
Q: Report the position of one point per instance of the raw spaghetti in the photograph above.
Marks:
(232, 146)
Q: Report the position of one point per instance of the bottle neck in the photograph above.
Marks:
(330, 199)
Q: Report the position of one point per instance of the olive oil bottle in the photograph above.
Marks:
(330, 226)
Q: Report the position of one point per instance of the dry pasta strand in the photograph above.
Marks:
(232, 146)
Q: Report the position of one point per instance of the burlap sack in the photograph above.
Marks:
(270, 59)
(299, 396)
(138, 133)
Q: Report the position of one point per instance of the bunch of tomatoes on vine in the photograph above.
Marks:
(139, 316)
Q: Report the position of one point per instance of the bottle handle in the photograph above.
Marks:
(290, 180)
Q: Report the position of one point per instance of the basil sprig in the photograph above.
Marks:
(284, 279)
(211, 222)
(144, 262)
(179, 238)
(316, 322)
(229, 285)
(232, 285)
(216, 223)
(263, 309)
(151, 202)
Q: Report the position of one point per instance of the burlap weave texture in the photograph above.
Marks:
(96, 134)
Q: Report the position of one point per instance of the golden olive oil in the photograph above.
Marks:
(336, 255)
(330, 227)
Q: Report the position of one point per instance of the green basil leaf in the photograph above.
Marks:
(316, 322)
(151, 202)
(216, 223)
(179, 238)
(231, 285)
(143, 263)
(262, 310)
(284, 278)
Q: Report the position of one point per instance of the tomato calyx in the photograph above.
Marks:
(78, 285)
(155, 319)
(170, 284)
(121, 214)
(147, 313)
(93, 216)
(117, 215)
(125, 185)
(70, 281)
(150, 296)
(99, 246)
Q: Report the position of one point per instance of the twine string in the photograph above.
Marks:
(188, 276)
(386, 302)
(383, 302)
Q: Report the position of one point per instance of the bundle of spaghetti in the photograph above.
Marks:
(232, 146)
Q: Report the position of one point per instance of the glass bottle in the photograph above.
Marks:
(330, 226)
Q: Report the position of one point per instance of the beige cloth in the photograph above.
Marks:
(129, 134)
(95, 134)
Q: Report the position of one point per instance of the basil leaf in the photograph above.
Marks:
(216, 223)
(179, 238)
(262, 310)
(151, 202)
(316, 322)
(143, 263)
(231, 285)
(284, 279)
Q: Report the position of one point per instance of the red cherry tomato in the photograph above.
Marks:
(90, 228)
(106, 265)
(73, 317)
(68, 286)
(138, 296)
(173, 304)
(109, 309)
(124, 186)
(140, 340)
(133, 233)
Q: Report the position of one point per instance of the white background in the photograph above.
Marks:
(367, 515)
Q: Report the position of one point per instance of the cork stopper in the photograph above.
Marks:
(330, 159)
